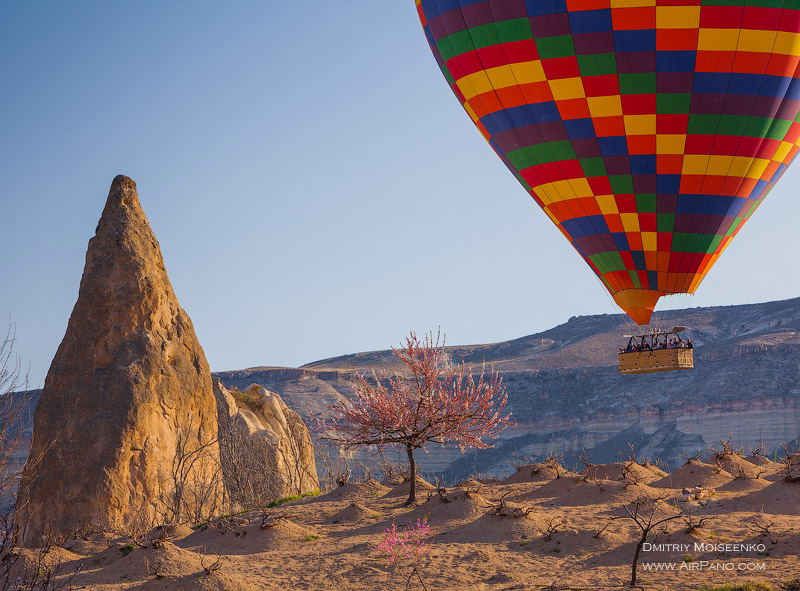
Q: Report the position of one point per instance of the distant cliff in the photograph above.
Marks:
(566, 394)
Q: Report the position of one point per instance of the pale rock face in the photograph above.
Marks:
(128, 386)
(266, 448)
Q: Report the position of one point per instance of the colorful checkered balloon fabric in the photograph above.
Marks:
(648, 130)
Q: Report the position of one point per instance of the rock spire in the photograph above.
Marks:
(127, 416)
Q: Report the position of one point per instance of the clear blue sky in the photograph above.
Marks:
(316, 188)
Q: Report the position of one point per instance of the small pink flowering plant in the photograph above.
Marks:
(410, 544)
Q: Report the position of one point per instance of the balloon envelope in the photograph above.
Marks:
(649, 131)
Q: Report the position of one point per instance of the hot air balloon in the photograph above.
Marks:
(649, 131)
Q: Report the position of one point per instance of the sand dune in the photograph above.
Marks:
(524, 533)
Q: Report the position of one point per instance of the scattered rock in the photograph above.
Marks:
(696, 493)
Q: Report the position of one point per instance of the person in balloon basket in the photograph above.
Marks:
(689, 344)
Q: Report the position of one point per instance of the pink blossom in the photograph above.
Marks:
(433, 401)
(408, 544)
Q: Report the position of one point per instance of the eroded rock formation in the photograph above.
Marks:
(127, 413)
(265, 447)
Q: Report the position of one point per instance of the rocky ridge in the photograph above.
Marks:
(566, 394)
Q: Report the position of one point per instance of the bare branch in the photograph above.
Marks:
(553, 524)
(790, 464)
(760, 525)
(210, 567)
(642, 511)
(693, 526)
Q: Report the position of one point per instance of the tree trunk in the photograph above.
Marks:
(412, 470)
(636, 557)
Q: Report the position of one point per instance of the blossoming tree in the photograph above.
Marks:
(411, 545)
(432, 401)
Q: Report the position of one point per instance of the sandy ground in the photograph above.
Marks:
(532, 531)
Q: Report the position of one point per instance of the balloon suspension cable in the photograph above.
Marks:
(674, 309)
(628, 325)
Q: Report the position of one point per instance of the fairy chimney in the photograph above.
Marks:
(128, 397)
